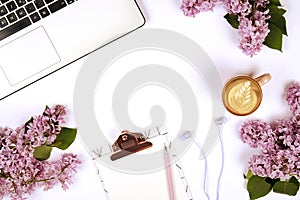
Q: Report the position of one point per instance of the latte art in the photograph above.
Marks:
(243, 98)
(242, 95)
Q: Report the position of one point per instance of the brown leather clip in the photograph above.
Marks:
(129, 143)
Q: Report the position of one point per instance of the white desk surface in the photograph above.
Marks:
(220, 41)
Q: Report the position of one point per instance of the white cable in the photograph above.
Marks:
(219, 122)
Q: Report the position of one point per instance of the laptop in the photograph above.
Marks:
(38, 37)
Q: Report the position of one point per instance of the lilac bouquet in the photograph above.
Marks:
(277, 166)
(23, 152)
(259, 22)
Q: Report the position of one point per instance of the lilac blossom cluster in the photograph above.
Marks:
(20, 172)
(293, 99)
(253, 25)
(252, 17)
(192, 7)
(44, 128)
(278, 143)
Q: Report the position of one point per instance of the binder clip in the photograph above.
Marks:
(129, 143)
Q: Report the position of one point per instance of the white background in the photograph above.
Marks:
(211, 31)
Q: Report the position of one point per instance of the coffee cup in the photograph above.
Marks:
(242, 95)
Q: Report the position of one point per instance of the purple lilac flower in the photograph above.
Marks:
(281, 165)
(2, 188)
(296, 121)
(59, 171)
(288, 137)
(44, 128)
(237, 7)
(253, 26)
(293, 98)
(252, 17)
(253, 32)
(207, 5)
(261, 3)
(192, 7)
(20, 172)
(258, 134)
(57, 114)
(260, 165)
(280, 152)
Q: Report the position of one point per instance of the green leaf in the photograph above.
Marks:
(275, 11)
(272, 181)
(258, 187)
(295, 181)
(42, 152)
(249, 174)
(274, 38)
(27, 123)
(65, 138)
(290, 187)
(232, 20)
(275, 2)
(277, 18)
(280, 23)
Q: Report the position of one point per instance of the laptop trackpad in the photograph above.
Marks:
(27, 56)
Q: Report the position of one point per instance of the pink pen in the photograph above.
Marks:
(169, 174)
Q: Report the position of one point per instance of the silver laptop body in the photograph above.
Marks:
(41, 42)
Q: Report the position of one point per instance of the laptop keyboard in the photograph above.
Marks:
(16, 15)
